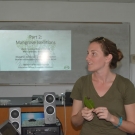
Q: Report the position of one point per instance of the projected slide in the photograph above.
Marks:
(35, 50)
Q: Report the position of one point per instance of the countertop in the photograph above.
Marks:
(27, 102)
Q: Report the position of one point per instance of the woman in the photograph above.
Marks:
(112, 94)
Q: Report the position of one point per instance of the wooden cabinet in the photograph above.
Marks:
(63, 114)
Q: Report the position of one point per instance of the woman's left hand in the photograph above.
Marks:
(103, 113)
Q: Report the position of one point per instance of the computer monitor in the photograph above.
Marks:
(32, 119)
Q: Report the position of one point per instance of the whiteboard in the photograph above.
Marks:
(81, 34)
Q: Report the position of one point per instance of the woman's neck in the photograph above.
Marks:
(104, 77)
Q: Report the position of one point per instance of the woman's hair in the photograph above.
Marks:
(109, 47)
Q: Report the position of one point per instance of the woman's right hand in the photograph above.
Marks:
(87, 113)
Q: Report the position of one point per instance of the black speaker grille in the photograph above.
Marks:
(16, 125)
(50, 98)
(15, 114)
(50, 109)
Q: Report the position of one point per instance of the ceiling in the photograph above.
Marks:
(113, 1)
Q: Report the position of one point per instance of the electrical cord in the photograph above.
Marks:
(65, 118)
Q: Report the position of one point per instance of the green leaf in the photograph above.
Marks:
(88, 103)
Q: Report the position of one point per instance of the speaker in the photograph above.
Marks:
(49, 108)
(15, 118)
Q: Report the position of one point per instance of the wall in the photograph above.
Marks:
(65, 12)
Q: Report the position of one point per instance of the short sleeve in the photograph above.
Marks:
(129, 97)
(77, 90)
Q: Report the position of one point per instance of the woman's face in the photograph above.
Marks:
(96, 59)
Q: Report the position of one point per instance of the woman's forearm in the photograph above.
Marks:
(77, 119)
(126, 126)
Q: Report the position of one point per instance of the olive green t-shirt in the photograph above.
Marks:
(122, 92)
